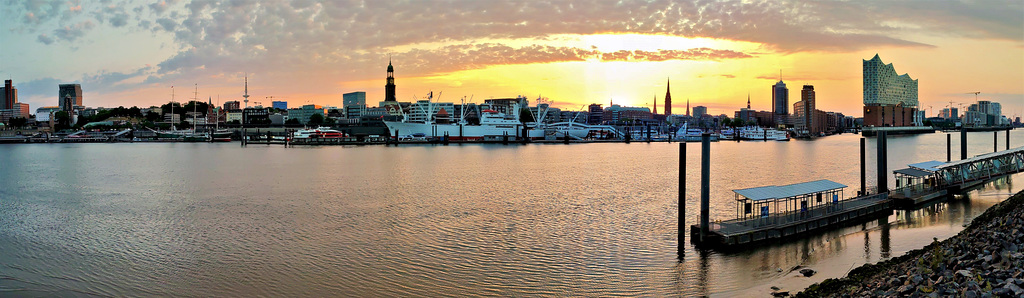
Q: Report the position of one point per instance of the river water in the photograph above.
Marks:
(200, 219)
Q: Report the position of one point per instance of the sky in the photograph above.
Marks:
(573, 53)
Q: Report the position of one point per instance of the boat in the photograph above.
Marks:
(727, 134)
(758, 133)
(692, 134)
(318, 133)
(493, 125)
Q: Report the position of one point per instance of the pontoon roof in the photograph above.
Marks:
(930, 166)
(786, 191)
(913, 172)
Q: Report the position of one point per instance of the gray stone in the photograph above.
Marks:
(964, 273)
(971, 294)
(907, 289)
(808, 272)
(1013, 287)
(917, 279)
(1002, 292)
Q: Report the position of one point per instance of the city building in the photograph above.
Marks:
(617, 113)
(232, 105)
(804, 113)
(507, 105)
(69, 96)
(984, 113)
(21, 110)
(44, 114)
(305, 112)
(699, 111)
(668, 98)
(550, 114)
(889, 99)
(949, 113)
(595, 113)
(231, 116)
(255, 116)
(10, 95)
(357, 98)
(424, 111)
(780, 102)
(279, 104)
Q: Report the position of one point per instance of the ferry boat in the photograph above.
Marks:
(318, 133)
(727, 134)
(692, 134)
(758, 133)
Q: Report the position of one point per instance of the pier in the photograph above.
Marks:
(776, 212)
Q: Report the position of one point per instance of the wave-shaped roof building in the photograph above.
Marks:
(883, 87)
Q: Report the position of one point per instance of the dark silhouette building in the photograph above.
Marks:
(10, 95)
(668, 98)
(389, 88)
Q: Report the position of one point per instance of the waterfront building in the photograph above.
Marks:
(279, 104)
(278, 119)
(803, 112)
(668, 98)
(595, 114)
(69, 96)
(780, 102)
(507, 105)
(353, 98)
(699, 111)
(424, 110)
(10, 95)
(390, 98)
(574, 116)
(172, 118)
(305, 112)
(616, 113)
(44, 114)
(232, 105)
(949, 113)
(889, 99)
(551, 115)
(233, 115)
(255, 116)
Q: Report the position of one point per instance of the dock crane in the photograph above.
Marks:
(975, 94)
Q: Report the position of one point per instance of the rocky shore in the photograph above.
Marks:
(983, 260)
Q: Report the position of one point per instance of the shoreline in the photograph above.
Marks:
(985, 257)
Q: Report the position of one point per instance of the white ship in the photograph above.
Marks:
(493, 124)
(758, 133)
(687, 134)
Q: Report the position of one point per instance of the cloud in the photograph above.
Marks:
(44, 39)
(72, 33)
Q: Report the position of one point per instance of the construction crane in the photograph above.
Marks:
(975, 94)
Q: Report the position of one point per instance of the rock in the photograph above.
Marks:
(774, 288)
(971, 294)
(917, 279)
(1002, 292)
(807, 272)
(1013, 287)
(964, 273)
(780, 294)
(905, 290)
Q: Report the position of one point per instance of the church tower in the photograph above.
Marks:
(668, 98)
(389, 89)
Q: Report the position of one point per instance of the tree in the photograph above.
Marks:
(18, 122)
(62, 119)
(316, 119)
(153, 116)
(330, 121)
(290, 121)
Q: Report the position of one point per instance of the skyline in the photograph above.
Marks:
(130, 53)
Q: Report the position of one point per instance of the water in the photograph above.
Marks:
(581, 220)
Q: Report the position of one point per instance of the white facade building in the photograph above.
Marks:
(882, 86)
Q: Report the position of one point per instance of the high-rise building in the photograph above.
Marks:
(10, 95)
(279, 104)
(780, 98)
(232, 105)
(699, 111)
(882, 86)
(804, 110)
(69, 96)
(357, 98)
(668, 98)
(595, 113)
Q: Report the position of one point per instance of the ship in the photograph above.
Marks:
(318, 133)
(758, 133)
(493, 124)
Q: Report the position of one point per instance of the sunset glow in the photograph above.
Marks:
(572, 53)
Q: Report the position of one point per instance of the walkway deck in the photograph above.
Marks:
(777, 226)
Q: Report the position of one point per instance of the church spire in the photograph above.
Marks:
(655, 105)
(748, 100)
(687, 107)
(668, 97)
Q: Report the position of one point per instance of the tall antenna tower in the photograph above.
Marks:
(246, 95)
